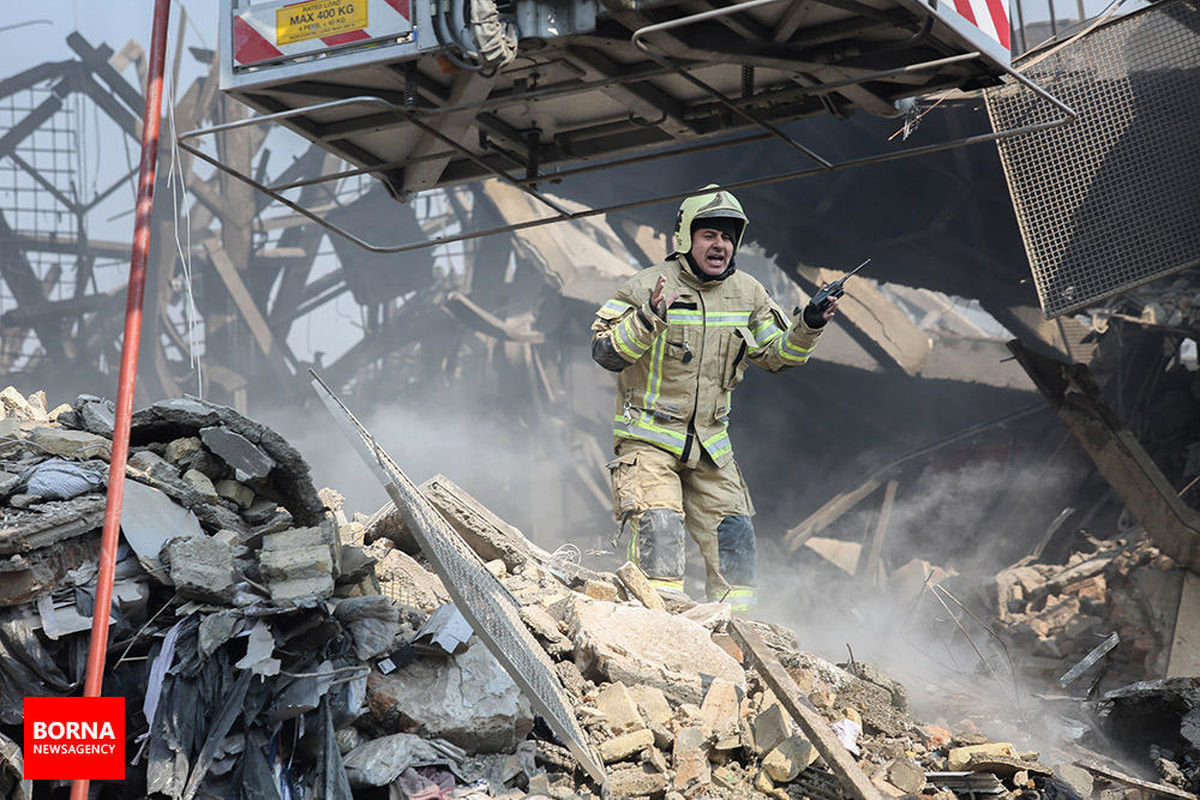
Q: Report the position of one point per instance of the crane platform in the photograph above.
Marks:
(430, 93)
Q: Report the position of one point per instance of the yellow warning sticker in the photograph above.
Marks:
(300, 22)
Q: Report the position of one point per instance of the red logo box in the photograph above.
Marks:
(74, 737)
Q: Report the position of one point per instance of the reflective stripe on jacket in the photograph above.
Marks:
(684, 370)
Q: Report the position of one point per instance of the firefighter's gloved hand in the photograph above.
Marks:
(658, 303)
(814, 317)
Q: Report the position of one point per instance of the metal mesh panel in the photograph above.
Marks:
(1112, 201)
(493, 613)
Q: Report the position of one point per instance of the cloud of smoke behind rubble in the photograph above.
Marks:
(904, 629)
(482, 454)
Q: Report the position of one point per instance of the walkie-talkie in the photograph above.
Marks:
(835, 289)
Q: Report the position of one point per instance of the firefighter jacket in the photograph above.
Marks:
(676, 378)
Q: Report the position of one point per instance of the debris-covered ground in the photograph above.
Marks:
(271, 645)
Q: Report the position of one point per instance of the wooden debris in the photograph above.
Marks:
(1161, 789)
(813, 725)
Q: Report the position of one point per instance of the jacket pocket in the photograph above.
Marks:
(678, 344)
(735, 348)
(622, 477)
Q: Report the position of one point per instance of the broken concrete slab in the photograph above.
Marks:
(148, 519)
(545, 628)
(639, 587)
(625, 745)
(290, 561)
(689, 757)
(908, 776)
(236, 491)
(960, 758)
(789, 758)
(468, 700)
(651, 703)
(407, 582)
(303, 592)
(710, 615)
(14, 404)
(237, 451)
(75, 445)
(202, 484)
(485, 533)
(179, 449)
(833, 748)
(201, 568)
(301, 553)
(637, 645)
(51, 522)
(601, 590)
(640, 781)
(96, 415)
(719, 715)
(770, 728)
(620, 710)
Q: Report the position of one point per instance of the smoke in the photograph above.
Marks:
(517, 473)
(934, 636)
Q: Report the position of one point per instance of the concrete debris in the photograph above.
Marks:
(720, 717)
(76, 445)
(1056, 615)
(468, 700)
(690, 758)
(785, 761)
(201, 568)
(770, 728)
(637, 645)
(149, 518)
(405, 581)
(625, 746)
(620, 712)
(237, 451)
(273, 638)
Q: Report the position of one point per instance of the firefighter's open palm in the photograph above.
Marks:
(657, 302)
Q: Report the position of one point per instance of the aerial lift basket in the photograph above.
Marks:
(1112, 201)
(410, 93)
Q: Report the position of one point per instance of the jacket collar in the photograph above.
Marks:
(689, 277)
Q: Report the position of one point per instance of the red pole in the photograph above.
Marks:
(151, 119)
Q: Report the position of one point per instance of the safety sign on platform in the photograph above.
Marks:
(318, 18)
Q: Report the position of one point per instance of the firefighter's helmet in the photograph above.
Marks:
(706, 205)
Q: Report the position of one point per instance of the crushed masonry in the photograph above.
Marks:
(262, 624)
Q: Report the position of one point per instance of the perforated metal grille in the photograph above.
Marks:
(493, 613)
(1112, 201)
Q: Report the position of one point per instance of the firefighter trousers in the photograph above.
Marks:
(661, 498)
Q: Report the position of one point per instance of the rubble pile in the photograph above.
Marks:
(1056, 614)
(268, 646)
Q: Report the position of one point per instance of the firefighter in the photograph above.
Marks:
(680, 335)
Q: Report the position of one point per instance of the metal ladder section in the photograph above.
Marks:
(482, 599)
